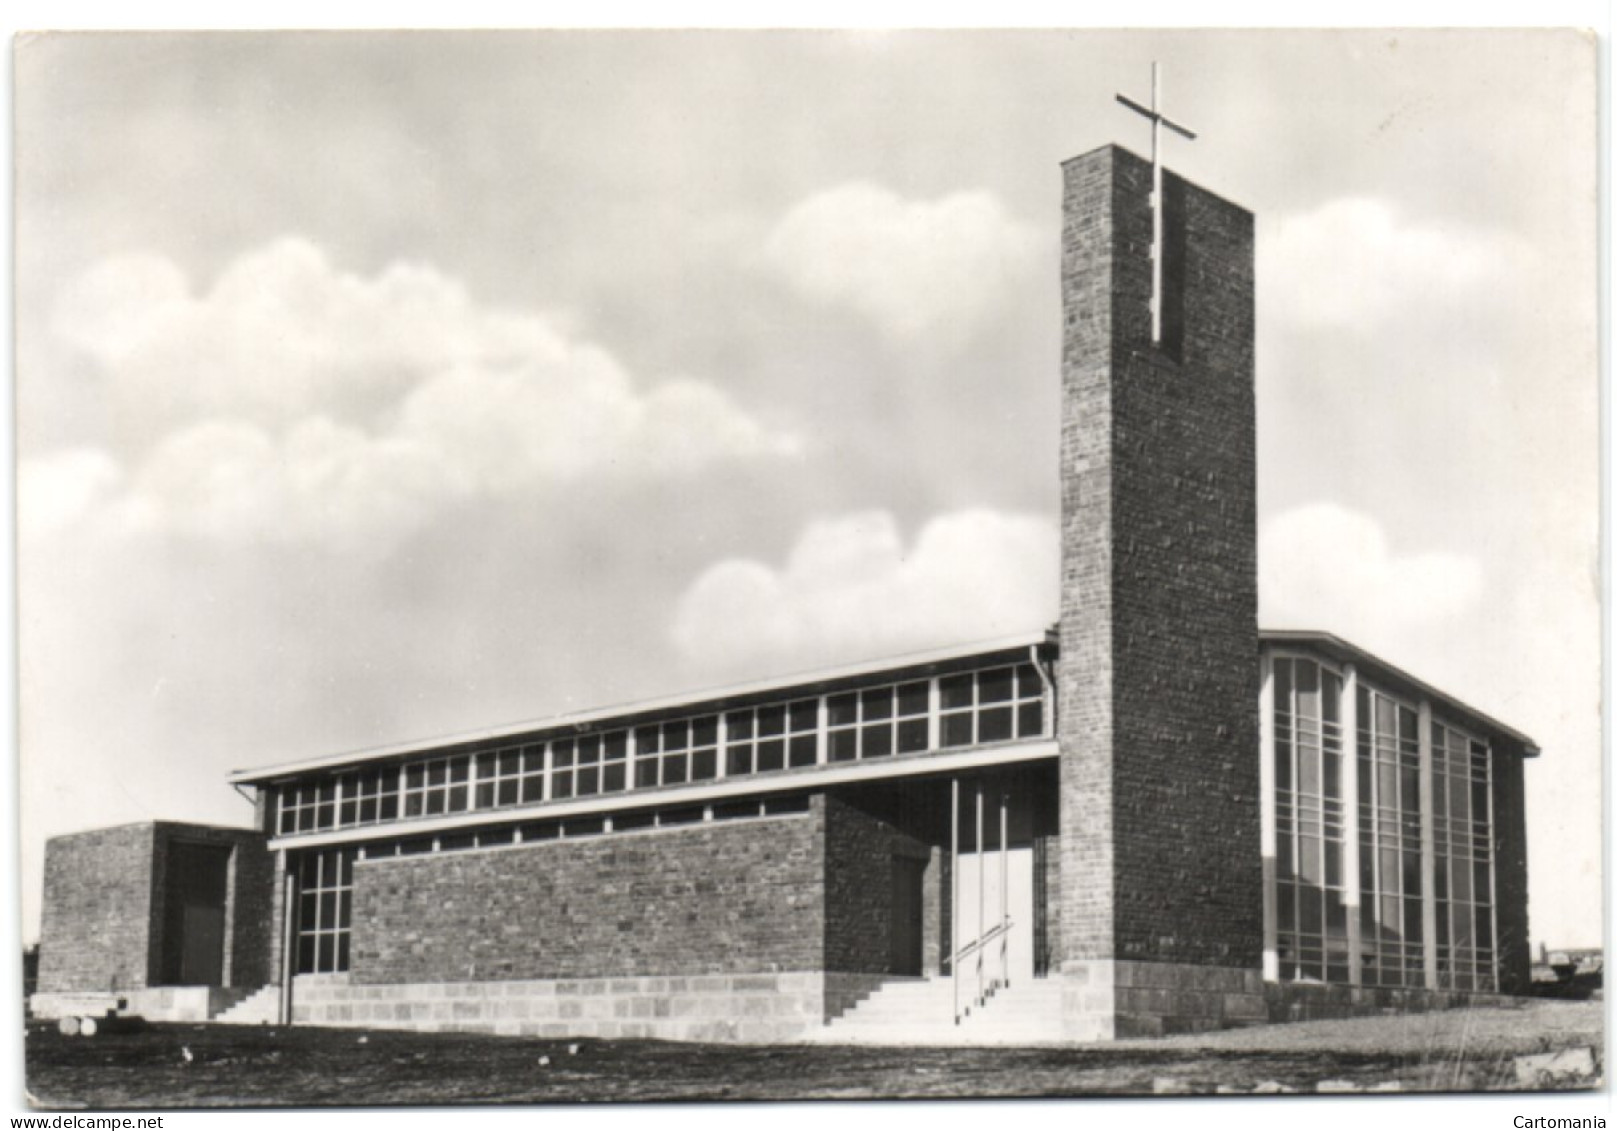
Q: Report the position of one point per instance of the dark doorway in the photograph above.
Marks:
(196, 881)
(905, 931)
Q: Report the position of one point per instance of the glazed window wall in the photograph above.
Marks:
(879, 721)
(1311, 897)
(760, 739)
(1463, 880)
(1381, 918)
(997, 704)
(1391, 897)
(437, 787)
(325, 884)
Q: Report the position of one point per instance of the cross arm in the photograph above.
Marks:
(1154, 116)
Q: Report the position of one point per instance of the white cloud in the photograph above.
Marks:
(851, 588)
(55, 491)
(915, 268)
(295, 400)
(1355, 263)
(1326, 567)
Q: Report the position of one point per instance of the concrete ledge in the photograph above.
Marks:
(154, 1003)
(1308, 1001)
(733, 1009)
(1106, 999)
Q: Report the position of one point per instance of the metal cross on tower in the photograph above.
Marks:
(1158, 120)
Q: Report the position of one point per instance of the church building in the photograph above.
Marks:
(1152, 818)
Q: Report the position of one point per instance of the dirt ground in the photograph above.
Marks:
(179, 1066)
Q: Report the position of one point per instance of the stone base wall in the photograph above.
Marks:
(155, 1003)
(1107, 999)
(1297, 1002)
(718, 1008)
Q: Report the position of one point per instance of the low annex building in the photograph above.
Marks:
(1151, 818)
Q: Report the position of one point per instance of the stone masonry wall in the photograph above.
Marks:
(97, 913)
(859, 855)
(1159, 653)
(733, 897)
(728, 1008)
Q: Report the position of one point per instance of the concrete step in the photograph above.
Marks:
(261, 1007)
(922, 1012)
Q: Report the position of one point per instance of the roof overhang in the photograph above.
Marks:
(1396, 679)
(817, 682)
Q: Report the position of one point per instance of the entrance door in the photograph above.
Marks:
(904, 929)
(979, 910)
(196, 879)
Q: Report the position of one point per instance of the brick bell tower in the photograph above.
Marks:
(1161, 877)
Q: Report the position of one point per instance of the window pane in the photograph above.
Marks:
(843, 709)
(805, 749)
(1307, 676)
(876, 704)
(1028, 683)
(912, 736)
(772, 720)
(994, 725)
(995, 686)
(805, 714)
(1030, 719)
(705, 731)
(772, 754)
(956, 730)
(956, 690)
(877, 741)
(1330, 692)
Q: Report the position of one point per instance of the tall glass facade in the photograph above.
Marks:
(1356, 899)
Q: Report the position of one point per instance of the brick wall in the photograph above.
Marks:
(98, 910)
(730, 897)
(1159, 653)
(254, 925)
(859, 855)
(103, 923)
(249, 926)
(1510, 872)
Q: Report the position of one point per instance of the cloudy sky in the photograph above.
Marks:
(375, 387)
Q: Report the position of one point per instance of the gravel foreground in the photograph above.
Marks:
(1561, 1045)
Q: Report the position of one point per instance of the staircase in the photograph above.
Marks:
(261, 1007)
(921, 1012)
